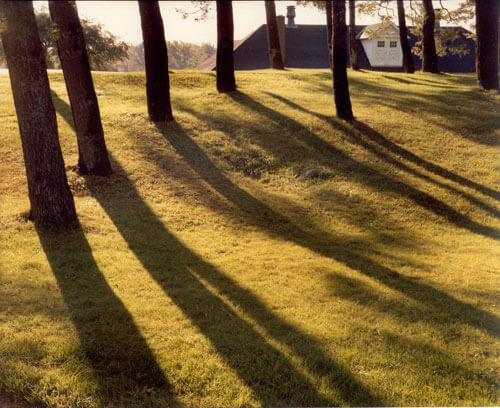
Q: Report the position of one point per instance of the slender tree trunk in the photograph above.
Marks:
(408, 64)
(273, 38)
(329, 29)
(50, 196)
(353, 49)
(225, 44)
(93, 155)
(487, 43)
(156, 61)
(340, 83)
(430, 62)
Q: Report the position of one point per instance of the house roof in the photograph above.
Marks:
(306, 46)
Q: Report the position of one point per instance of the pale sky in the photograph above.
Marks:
(122, 18)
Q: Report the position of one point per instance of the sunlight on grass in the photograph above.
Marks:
(208, 271)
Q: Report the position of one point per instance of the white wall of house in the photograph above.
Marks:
(388, 55)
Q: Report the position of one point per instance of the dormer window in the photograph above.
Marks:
(393, 44)
(380, 44)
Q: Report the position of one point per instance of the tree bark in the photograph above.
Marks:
(487, 43)
(340, 82)
(273, 39)
(408, 64)
(156, 61)
(353, 49)
(225, 44)
(49, 194)
(93, 155)
(429, 63)
(329, 29)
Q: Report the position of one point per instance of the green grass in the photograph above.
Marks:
(208, 271)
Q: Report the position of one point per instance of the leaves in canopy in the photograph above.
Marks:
(104, 49)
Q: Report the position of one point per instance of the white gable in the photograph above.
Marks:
(382, 45)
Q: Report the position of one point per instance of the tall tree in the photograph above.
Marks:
(50, 197)
(353, 49)
(487, 43)
(273, 38)
(408, 63)
(225, 43)
(92, 152)
(340, 82)
(329, 29)
(156, 60)
(429, 60)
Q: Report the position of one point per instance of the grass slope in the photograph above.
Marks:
(208, 271)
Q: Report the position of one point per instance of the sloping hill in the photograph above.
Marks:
(208, 270)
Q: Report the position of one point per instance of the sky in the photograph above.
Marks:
(122, 18)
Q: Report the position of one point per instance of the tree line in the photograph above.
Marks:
(50, 197)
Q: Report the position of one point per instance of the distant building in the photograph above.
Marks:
(305, 46)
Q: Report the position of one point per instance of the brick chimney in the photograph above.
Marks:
(290, 14)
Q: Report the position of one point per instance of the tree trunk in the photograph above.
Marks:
(273, 39)
(156, 61)
(340, 83)
(487, 43)
(93, 155)
(408, 64)
(329, 29)
(225, 44)
(50, 197)
(429, 63)
(353, 49)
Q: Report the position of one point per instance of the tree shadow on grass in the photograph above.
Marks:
(366, 132)
(121, 361)
(276, 225)
(371, 176)
(181, 274)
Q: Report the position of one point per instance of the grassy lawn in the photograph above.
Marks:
(208, 271)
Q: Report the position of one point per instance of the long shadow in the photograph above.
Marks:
(142, 230)
(180, 272)
(470, 112)
(275, 224)
(374, 136)
(119, 356)
(373, 177)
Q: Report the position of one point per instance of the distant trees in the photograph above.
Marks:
(353, 49)
(93, 155)
(156, 59)
(429, 60)
(50, 197)
(273, 39)
(487, 13)
(181, 55)
(408, 63)
(103, 48)
(225, 43)
(340, 83)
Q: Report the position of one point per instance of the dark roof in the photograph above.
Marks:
(307, 47)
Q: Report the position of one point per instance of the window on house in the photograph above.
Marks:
(393, 44)
(381, 44)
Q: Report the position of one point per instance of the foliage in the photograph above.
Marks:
(181, 55)
(448, 39)
(104, 49)
(208, 254)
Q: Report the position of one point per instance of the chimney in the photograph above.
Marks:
(280, 20)
(290, 14)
